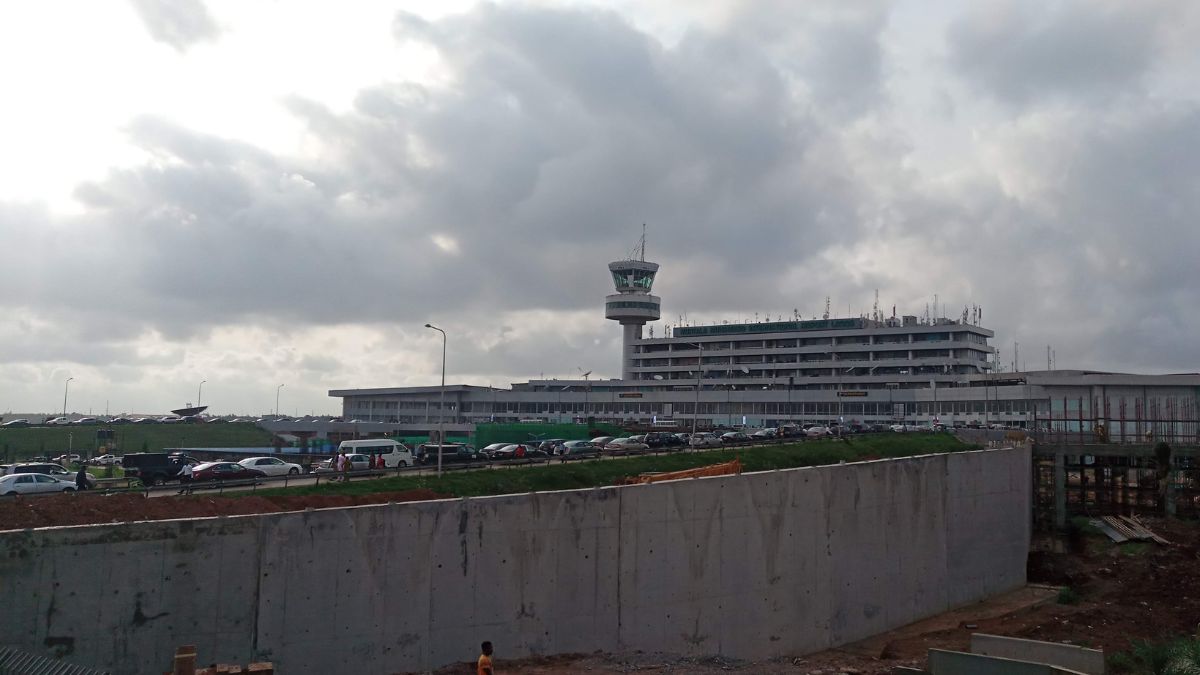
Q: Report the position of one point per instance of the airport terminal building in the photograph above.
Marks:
(859, 370)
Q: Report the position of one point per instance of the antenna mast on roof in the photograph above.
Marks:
(826, 315)
(875, 309)
(643, 258)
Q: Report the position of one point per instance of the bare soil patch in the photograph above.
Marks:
(70, 509)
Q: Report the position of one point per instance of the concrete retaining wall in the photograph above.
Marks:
(749, 566)
(1071, 657)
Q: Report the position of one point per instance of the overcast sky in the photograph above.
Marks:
(256, 192)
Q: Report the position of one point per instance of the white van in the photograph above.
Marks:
(394, 453)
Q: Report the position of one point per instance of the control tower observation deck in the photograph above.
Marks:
(632, 305)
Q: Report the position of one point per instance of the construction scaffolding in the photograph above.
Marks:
(1139, 420)
(1095, 480)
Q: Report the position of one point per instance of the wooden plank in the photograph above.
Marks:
(1150, 532)
(1121, 527)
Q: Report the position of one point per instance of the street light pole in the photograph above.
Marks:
(201, 389)
(442, 403)
(66, 386)
(699, 377)
(277, 399)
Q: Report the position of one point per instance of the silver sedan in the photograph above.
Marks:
(272, 466)
(33, 483)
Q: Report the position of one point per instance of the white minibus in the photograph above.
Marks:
(394, 453)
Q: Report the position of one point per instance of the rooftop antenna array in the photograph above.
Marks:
(826, 314)
(875, 308)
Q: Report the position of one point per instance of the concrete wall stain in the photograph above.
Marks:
(60, 646)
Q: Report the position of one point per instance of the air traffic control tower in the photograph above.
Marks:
(632, 304)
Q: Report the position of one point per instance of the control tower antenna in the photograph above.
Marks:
(632, 305)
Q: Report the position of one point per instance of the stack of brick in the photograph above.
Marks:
(185, 664)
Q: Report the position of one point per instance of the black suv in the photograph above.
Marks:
(663, 439)
(155, 468)
(427, 454)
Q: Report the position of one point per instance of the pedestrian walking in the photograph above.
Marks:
(346, 465)
(81, 478)
(185, 478)
(484, 665)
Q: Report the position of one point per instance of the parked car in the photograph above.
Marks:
(626, 446)
(13, 424)
(66, 459)
(272, 466)
(170, 419)
(705, 439)
(602, 440)
(518, 451)
(578, 449)
(550, 444)
(662, 439)
(818, 432)
(56, 421)
(49, 469)
(33, 483)
(106, 460)
(224, 471)
(898, 428)
(488, 450)
(763, 434)
(730, 437)
(86, 420)
(357, 463)
(120, 420)
(452, 453)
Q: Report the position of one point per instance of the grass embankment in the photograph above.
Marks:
(18, 444)
(1175, 657)
(591, 473)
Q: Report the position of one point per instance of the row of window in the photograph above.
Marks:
(736, 408)
(789, 344)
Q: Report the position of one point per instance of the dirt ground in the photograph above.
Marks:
(44, 511)
(1125, 593)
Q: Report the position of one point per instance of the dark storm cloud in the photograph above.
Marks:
(562, 132)
(759, 151)
(1019, 51)
(178, 23)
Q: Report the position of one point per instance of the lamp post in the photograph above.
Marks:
(699, 377)
(66, 386)
(442, 403)
(277, 399)
(200, 389)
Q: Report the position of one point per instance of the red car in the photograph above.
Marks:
(224, 471)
